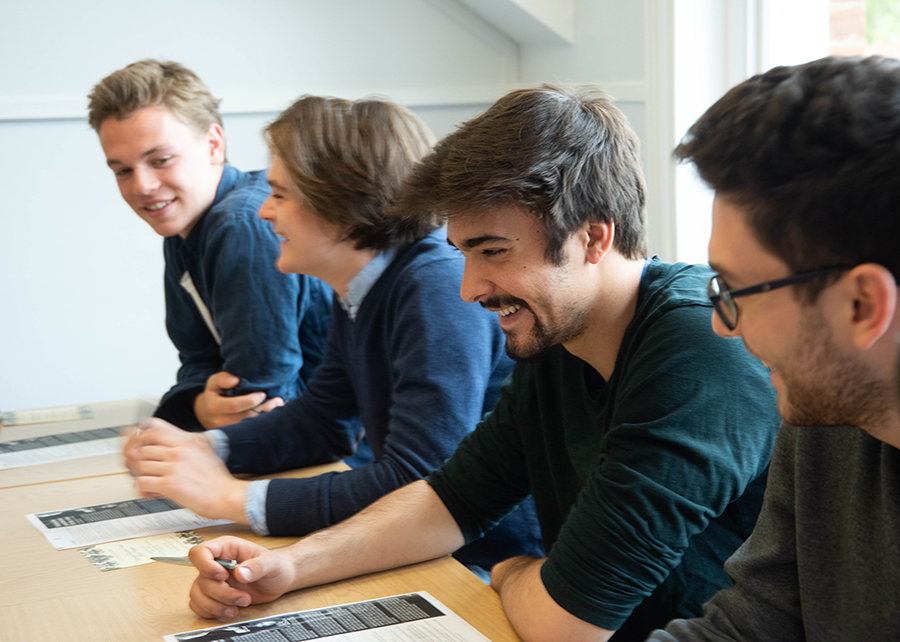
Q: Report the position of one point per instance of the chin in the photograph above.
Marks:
(285, 267)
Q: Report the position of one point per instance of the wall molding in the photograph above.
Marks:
(70, 107)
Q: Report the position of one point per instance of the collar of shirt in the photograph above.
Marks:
(360, 284)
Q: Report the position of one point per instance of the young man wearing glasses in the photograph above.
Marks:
(643, 437)
(804, 163)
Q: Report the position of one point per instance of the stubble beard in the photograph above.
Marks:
(826, 388)
(541, 337)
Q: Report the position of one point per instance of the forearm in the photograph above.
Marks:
(534, 615)
(407, 526)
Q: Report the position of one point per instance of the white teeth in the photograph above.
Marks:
(158, 206)
(507, 311)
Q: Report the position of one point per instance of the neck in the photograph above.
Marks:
(347, 264)
(883, 405)
(215, 179)
(618, 281)
(887, 428)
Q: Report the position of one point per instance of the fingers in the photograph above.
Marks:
(221, 381)
(211, 596)
(269, 405)
(261, 576)
(205, 605)
(157, 432)
(204, 555)
(150, 432)
(227, 409)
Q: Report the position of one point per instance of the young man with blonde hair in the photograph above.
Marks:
(642, 436)
(248, 337)
(417, 364)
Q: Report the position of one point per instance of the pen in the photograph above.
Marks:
(184, 561)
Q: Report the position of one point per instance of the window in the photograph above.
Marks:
(864, 28)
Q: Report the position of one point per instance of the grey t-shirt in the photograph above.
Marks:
(823, 562)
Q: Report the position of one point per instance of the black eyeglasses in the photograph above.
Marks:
(723, 299)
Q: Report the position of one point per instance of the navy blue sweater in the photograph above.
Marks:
(420, 367)
(272, 326)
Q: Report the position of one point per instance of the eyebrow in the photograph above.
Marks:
(480, 240)
(112, 161)
(725, 274)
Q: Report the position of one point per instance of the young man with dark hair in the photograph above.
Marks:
(405, 353)
(643, 437)
(805, 241)
(248, 336)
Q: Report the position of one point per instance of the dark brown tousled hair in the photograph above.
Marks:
(154, 83)
(567, 155)
(812, 153)
(347, 160)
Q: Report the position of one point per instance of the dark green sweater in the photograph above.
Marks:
(644, 484)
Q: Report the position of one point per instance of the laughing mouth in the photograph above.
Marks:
(504, 306)
(158, 206)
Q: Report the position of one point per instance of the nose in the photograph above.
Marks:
(145, 180)
(266, 211)
(474, 286)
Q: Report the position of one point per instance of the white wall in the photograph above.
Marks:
(81, 305)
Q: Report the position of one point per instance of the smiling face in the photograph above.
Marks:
(310, 244)
(166, 171)
(539, 304)
(818, 379)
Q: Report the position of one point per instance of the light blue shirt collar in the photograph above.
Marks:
(360, 284)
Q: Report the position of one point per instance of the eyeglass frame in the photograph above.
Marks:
(720, 297)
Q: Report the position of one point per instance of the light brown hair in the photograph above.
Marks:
(153, 83)
(347, 159)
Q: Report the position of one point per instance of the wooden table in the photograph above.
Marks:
(105, 415)
(47, 594)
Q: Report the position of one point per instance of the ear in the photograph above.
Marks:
(216, 139)
(873, 291)
(598, 240)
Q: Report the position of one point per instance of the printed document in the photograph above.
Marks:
(401, 618)
(89, 525)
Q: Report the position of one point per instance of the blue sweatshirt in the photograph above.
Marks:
(265, 327)
(420, 367)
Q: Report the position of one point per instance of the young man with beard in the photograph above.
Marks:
(405, 354)
(805, 242)
(643, 437)
(248, 336)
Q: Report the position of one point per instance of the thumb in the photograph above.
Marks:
(254, 569)
(222, 381)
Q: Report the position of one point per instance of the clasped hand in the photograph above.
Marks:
(178, 465)
(214, 409)
(261, 576)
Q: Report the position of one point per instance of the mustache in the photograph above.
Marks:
(503, 302)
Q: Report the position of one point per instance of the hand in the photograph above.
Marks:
(182, 466)
(261, 576)
(152, 431)
(215, 410)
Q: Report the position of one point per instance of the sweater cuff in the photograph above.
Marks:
(220, 443)
(255, 506)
